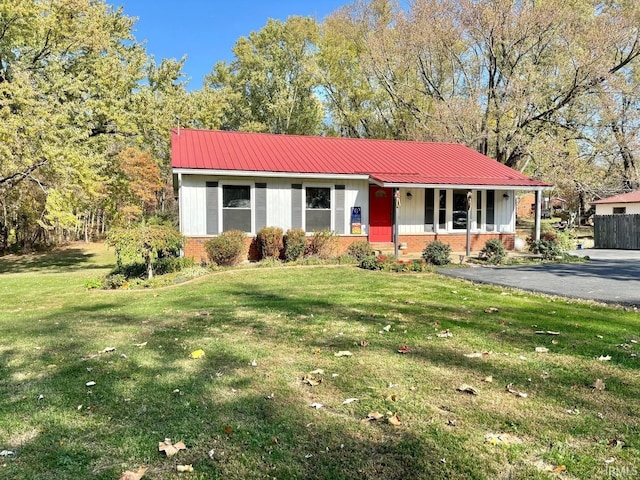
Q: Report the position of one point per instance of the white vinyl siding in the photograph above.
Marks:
(192, 198)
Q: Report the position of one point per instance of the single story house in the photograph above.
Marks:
(392, 193)
(623, 204)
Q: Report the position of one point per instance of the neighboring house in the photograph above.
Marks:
(616, 223)
(624, 204)
(550, 206)
(391, 193)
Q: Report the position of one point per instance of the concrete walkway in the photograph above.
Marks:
(612, 276)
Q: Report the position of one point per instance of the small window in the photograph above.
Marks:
(442, 208)
(479, 209)
(429, 208)
(236, 208)
(318, 209)
(459, 209)
(491, 200)
(619, 210)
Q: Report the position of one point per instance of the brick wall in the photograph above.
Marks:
(194, 246)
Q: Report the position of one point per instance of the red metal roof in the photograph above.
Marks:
(631, 197)
(384, 161)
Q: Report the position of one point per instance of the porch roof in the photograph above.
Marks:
(386, 162)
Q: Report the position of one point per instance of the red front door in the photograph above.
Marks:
(380, 214)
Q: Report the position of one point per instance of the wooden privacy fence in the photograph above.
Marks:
(617, 231)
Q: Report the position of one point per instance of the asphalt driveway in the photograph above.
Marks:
(612, 276)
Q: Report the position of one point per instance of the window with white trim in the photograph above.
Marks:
(236, 208)
(317, 208)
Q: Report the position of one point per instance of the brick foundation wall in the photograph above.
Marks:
(458, 242)
(194, 246)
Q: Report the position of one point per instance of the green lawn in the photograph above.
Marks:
(243, 409)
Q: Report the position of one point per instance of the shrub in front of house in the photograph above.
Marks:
(360, 249)
(493, 252)
(227, 249)
(295, 243)
(323, 244)
(548, 249)
(386, 264)
(271, 242)
(437, 253)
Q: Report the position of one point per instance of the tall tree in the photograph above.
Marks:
(68, 70)
(270, 86)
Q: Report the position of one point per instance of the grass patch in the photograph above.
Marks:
(243, 410)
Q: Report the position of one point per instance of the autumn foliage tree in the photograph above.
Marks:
(136, 186)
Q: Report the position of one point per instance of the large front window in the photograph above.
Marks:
(236, 208)
(318, 209)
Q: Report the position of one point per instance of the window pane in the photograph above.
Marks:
(236, 208)
(236, 196)
(619, 210)
(318, 220)
(479, 210)
(442, 203)
(428, 210)
(459, 209)
(491, 196)
(318, 197)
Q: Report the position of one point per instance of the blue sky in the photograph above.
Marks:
(206, 30)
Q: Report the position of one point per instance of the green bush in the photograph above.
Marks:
(437, 253)
(549, 249)
(227, 249)
(295, 243)
(165, 265)
(114, 281)
(323, 244)
(494, 251)
(360, 249)
(417, 266)
(270, 242)
(370, 262)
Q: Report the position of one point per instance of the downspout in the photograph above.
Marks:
(396, 216)
(469, 197)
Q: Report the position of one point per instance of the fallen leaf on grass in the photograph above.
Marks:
(604, 358)
(253, 363)
(349, 400)
(372, 417)
(517, 393)
(364, 343)
(184, 468)
(316, 405)
(140, 345)
(598, 384)
(394, 420)
(312, 381)
(170, 449)
(477, 354)
(343, 353)
(444, 334)
(464, 388)
(228, 430)
(197, 354)
(109, 349)
(6, 453)
(558, 469)
(90, 384)
(501, 439)
(387, 328)
(317, 371)
(409, 302)
(488, 379)
(130, 475)
(546, 332)
(491, 310)
(542, 349)
(403, 349)
(392, 398)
